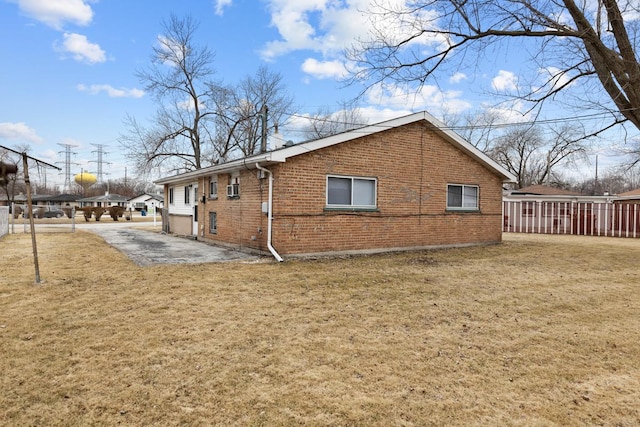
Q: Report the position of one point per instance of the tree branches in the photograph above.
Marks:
(198, 121)
(575, 43)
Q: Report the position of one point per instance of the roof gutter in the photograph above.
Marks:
(275, 254)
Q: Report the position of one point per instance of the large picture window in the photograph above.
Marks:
(351, 192)
(462, 197)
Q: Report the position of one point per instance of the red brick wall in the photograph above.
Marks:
(413, 166)
(240, 222)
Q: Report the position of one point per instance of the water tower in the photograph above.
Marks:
(85, 180)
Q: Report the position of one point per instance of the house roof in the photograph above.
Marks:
(158, 197)
(104, 198)
(61, 198)
(281, 155)
(632, 193)
(543, 190)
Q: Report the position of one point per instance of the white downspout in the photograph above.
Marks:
(276, 255)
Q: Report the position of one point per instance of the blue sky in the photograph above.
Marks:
(68, 73)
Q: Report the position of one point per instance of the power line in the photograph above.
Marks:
(467, 127)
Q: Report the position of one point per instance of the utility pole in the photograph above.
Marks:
(263, 142)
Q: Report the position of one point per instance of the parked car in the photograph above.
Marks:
(54, 213)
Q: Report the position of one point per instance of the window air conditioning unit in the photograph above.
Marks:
(233, 190)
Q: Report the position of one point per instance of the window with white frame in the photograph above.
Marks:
(213, 188)
(462, 197)
(233, 189)
(351, 192)
(171, 195)
(213, 222)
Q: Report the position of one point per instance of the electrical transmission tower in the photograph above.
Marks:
(100, 162)
(67, 164)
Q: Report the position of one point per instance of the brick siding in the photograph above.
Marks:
(412, 165)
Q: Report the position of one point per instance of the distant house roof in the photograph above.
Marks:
(543, 190)
(158, 197)
(61, 198)
(281, 155)
(631, 193)
(105, 198)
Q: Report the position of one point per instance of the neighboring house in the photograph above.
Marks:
(406, 183)
(45, 200)
(632, 196)
(60, 200)
(146, 201)
(541, 209)
(104, 201)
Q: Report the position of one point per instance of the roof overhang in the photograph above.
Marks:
(558, 198)
(282, 154)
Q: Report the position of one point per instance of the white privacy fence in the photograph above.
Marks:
(578, 218)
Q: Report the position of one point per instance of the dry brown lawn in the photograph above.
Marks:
(538, 331)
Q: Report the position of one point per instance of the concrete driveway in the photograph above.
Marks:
(149, 248)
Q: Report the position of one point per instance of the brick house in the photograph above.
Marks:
(406, 183)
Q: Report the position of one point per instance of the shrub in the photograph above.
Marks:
(98, 211)
(87, 211)
(115, 212)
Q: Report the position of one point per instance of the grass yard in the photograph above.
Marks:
(538, 331)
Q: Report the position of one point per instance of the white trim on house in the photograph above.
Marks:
(282, 154)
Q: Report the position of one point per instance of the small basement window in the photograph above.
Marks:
(462, 197)
(213, 223)
(351, 192)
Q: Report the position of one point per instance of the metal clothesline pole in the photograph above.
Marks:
(27, 183)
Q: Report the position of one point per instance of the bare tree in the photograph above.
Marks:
(199, 121)
(179, 79)
(532, 156)
(324, 122)
(588, 42)
(14, 183)
(242, 108)
(480, 128)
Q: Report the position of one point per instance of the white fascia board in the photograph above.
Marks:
(563, 198)
(282, 154)
(438, 126)
(247, 162)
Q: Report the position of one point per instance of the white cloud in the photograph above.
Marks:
(505, 81)
(324, 69)
(221, 4)
(376, 115)
(329, 27)
(555, 77)
(428, 97)
(18, 132)
(511, 112)
(457, 78)
(81, 49)
(55, 13)
(111, 91)
(318, 25)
